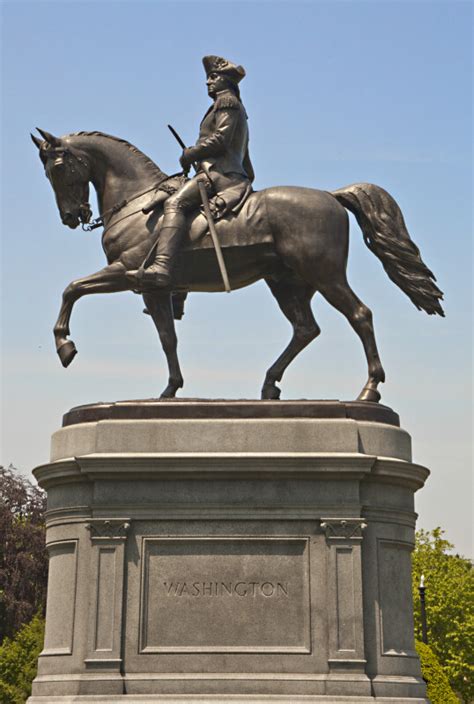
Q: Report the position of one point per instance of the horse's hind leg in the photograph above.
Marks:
(342, 297)
(160, 308)
(295, 303)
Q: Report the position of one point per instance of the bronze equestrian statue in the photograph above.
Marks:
(294, 238)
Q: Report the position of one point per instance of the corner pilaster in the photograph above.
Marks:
(108, 538)
(345, 606)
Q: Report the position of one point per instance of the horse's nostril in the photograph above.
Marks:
(67, 218)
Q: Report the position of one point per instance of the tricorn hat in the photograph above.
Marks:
(227, 68)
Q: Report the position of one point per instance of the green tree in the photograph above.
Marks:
(19, 661)
(449, 582)
(23, 558)
(438, 688)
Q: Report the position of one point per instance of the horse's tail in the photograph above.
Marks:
(385, 234)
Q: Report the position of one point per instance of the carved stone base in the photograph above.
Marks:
(230, 556)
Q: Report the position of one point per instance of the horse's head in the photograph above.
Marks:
(69, 173)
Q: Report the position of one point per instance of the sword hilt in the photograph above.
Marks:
(195, 165)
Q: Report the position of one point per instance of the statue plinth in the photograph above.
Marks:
(230, 550)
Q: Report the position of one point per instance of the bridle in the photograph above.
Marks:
(85, 211)
(99, 220)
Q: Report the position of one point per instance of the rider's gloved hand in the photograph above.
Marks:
(187, 159)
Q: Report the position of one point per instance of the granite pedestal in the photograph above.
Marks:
(230, 552)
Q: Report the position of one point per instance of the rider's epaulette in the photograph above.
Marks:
(224, 102)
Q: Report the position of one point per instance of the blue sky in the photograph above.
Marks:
(337, 92)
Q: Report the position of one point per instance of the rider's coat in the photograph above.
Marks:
(224, 137)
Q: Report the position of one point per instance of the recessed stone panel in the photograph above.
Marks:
(225, 595)
(60, 607)
(106, 577)
(395, 598)
(345, 595)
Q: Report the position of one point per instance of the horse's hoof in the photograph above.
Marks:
(67, 352)
(270, 392)
(169, 392)
(368, 394)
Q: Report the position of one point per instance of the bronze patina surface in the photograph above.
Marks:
(294, 238)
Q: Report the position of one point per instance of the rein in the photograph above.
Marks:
(99, 220)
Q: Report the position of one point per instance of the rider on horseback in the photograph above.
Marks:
(222, 147)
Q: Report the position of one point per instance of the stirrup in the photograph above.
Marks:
(146, 280)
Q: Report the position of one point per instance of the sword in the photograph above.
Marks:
(207, 213)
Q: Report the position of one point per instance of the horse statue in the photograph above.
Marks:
(294, 238)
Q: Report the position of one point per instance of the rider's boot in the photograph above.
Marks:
(158, 274)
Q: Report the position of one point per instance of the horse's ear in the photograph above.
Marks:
(36, 140)
(51, 139)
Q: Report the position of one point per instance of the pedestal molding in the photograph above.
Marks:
(163, 512)
(234, 464)
(234, 409)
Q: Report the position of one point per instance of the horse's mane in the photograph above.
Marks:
(131, 147)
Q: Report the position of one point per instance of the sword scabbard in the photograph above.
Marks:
(215, 239)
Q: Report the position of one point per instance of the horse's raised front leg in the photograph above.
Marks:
(160, 307)
(111, 279)
(295, 303)
(342, 297)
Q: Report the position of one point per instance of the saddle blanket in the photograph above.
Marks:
(248, 226)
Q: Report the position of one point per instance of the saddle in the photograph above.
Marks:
(236, 206)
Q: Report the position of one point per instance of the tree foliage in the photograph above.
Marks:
(19, 662)
(449, 582)
(438, 689)
(23, 558)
